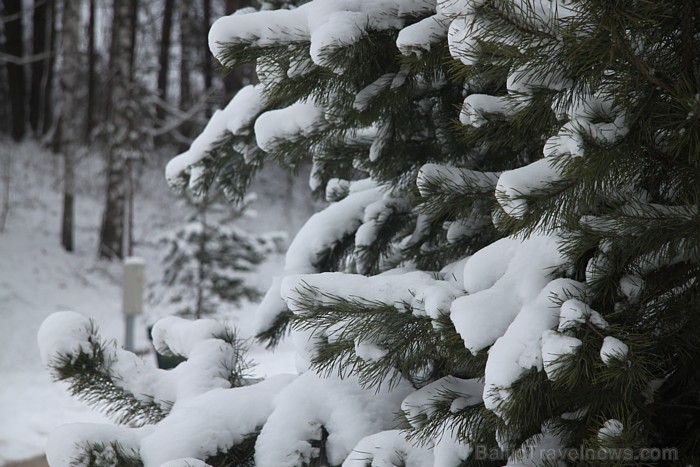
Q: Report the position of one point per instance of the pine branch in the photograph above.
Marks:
(91, 378)
(94, 454)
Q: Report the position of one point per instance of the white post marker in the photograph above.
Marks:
(132, 301)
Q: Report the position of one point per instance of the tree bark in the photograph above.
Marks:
(70, 121)
(92, 78)
(186, 33)
(40, 46)
(164, 56)
(48, 89)
(119, 147)
(14, 45)
(206, 53)
(133, 29)
(201, 257)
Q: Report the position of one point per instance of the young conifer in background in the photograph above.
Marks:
(207, 262)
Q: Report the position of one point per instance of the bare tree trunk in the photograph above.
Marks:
(5, 109)
(206, 53)
(92, 79)
(164, 56)
(14, 45)
(48, 108)
(133, 29)
(129, 221)
(201, 257)
(6, 181)
(40, 46)
(70, 121)
(186, 33)
(112, 230)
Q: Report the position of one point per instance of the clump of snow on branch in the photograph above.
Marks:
(613, 349)
(240, 112)
(346, 411)
(501, 279)
(326, 26)
(388, 448)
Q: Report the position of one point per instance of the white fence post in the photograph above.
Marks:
(132, 301)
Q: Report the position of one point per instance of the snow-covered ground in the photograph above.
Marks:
(37, 277)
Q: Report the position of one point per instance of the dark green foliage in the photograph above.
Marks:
(107, 455)
(415, 350)
(277, 331)
(240, 455)
(91, 378)
(628, 208)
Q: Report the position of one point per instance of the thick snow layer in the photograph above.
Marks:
(613, 349)
(574, 312)
(554, 346)
(314, 239)
(585, 114)
(327, 25)
(456, 7)
(526, 180)
(566, 141)
(425, 294)
(462, 37)
(327, 227)
(206, 368)
(372, 90)
(445, 174)
(197, 428)
(310, 404)
(336, 189)
(449, 450)
(213, 421)
(610, 429)
(296, 121)
(369, 351)
(501, 279)
(525, 79)
(388, 448)
(520, 347)
(65, 333)
(248, 103)
(419, 405)
(270, 307)
(177, 336)
(375, 216)
(64, 443)
(477, 107)
(419, 37)
(237, 115)
(545, 448)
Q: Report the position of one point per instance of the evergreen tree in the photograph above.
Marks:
(520, 285)
(205, 262)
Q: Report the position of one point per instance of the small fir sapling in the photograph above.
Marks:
(206, 262)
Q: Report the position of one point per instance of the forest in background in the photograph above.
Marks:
(123, 81)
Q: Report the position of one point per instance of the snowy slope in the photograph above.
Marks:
(37, 278)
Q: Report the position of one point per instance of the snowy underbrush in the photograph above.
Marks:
(37, 277)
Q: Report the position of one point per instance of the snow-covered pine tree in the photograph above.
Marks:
(517, 286)
(618, 185)
(205, 262)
